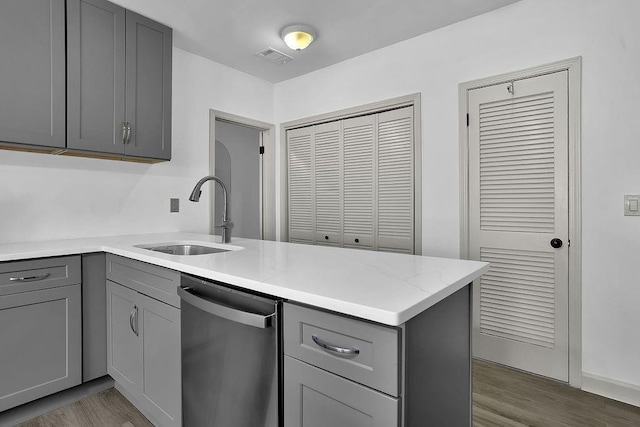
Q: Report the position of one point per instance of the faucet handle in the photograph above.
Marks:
(225, 224)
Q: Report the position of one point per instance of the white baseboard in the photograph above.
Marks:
(613, 389)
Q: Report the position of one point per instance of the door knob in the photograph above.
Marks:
(556, 243)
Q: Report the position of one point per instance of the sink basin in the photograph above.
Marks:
(185, 249)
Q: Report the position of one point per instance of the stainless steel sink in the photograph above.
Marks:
(184, 249)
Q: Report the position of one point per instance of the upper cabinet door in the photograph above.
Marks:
(96, 75)
(148, 105)
(32, 87)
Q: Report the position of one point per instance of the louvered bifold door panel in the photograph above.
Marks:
(327, 183)
(359, 140)
(518, 187)
(300, 177)
(395, 186)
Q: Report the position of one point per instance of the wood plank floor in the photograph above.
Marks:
(506, 397)
(105, 409)
(502, 397)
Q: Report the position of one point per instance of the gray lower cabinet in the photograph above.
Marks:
(32, 76)
(41, 329)
(342, 371)
(119, 81)
(317, 398)
(143, 346)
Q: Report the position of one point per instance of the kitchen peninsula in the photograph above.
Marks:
(421, 303)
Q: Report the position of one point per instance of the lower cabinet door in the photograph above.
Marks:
(45, 354)
(161, 365)
(316, 398)
(124, 351)
(143, 353)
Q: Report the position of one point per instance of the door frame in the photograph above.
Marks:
(267, 169)
(574, 68)
(413, 100)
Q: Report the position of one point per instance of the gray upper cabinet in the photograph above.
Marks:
(148, 105)
(119, 81)
(32, 72)
(96, 84)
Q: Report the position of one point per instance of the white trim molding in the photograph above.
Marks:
(376, 107)
(574, 68)
(613, 389)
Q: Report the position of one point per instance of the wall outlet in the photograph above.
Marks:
(174, 205)
(632, 205)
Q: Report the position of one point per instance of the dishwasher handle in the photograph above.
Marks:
(226, 312)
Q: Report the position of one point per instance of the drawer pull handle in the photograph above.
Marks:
(340, 350)
(30, 278)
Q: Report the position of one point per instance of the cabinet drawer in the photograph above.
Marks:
(157, 282)
(313, 397)
(376, 363)
(32, 275)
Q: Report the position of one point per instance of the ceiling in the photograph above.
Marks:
(232, 32)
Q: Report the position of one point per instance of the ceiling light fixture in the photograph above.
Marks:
(298, 37)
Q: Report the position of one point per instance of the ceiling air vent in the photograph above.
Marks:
(272, 55)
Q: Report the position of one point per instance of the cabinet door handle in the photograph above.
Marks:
(343, 351)
(133, 320)
(29, 278)
(124, 132)
(128, 132)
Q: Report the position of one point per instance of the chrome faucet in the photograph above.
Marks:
(226, 225)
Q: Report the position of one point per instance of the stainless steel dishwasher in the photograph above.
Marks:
(231, 363)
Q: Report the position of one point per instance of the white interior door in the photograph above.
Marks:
(518, 203)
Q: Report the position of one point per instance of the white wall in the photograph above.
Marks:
(50, 197)
(526, 34)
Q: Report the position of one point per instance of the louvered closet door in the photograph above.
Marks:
(327, 146)
(301, 203)
(395, 184)
(518, 168)
(359, 139)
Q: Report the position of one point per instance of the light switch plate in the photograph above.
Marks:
(174, 205)
(632, 205)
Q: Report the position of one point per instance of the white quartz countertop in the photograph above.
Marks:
(382, 287)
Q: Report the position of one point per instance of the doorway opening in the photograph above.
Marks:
(241, 153)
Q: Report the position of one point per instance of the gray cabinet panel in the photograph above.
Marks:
(94, 317)
(148, 87)
(124, 355)
(96, 75)
(157, 282)
(44, 355)
(161, 371)
(32, 70)
(316, 398)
